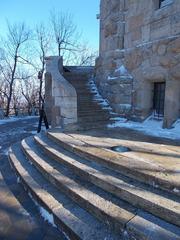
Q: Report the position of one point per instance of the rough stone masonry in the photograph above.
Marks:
(138, 68)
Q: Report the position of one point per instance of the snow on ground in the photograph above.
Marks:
(34, 132)
(14, 119)
(150, 126)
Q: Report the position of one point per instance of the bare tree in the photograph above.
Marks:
(85, 56)
(17, 37)
(65, 32)
(16, 100)
(30, 91)
(3, 90)
(43, 39)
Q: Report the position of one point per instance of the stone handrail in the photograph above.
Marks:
(60, 95)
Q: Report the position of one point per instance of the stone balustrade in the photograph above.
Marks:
(60, 95)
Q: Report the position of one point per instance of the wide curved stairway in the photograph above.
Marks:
(93, 193)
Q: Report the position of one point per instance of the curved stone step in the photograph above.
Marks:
(66, 214)
(116, 215)
(76, 222)
(143, 172)
(139, 195)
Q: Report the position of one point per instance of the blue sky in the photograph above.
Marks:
(35, 11)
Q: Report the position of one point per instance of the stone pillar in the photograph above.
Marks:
(61, 97)
(48, 96)
(172, 103)
(146, 100)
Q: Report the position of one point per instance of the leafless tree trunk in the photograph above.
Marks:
(17, 36)
(29, 90)
(43, 41)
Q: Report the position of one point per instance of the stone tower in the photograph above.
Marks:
(138, 69)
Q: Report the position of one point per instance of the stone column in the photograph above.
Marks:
(172, 103)
(146, 100)
(48, 96)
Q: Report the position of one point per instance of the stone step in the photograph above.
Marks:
(65, 213)
(89, 108)
(86, 94)
(79, 85)
(103, 206)
(89, 104)
(83, 126)
(84, 90)
(88, 99)
(142, 171)
(93, 118)
(68, 216)
(94, 113)
(85, 102)
(76, 78)
(156, 202)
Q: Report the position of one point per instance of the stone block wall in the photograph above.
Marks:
(60, 95)
(143, 39)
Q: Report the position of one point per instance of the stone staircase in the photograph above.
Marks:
(93, 193)
(91, 112)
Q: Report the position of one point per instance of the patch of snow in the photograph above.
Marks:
(107, 108)
(113, 113)
(97, 96)
(166, 2)
(47, 216)
(122, 70)
(150, 127)
(44, 213)
(121, 73)
(125, 105)
(176, 190)
(18, 180)
(34, 132)
(154, 184)
(14, 119)
(112, 78)
(120, 119)
(5, 152)
(125, 235)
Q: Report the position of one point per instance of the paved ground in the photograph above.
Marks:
(19, 216)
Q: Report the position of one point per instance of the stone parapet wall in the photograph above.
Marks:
(149, 51)
(60, 95)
